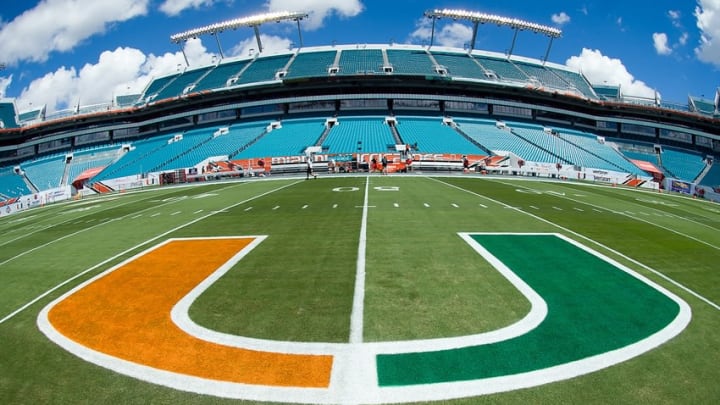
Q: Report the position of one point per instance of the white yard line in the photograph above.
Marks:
(354, 378)
(646, 267)
(104, 262)
(54, 214)
(358, 307)
(631, 215)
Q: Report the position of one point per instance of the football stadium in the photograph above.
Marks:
(362, 224)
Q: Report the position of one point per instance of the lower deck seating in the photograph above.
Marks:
(430, 135)
(11, 184)
(364, 134)
(289, 139)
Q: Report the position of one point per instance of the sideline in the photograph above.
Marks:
(644, 266)
(84, 229)
(141, 244)
(633, 217)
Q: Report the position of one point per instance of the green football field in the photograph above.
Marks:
(458, 289)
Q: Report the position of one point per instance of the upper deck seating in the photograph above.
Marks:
(502, 68)
(220, 77)
(410, 62)
(546, 76)
(576, 80)
(182, 83)
(127, 100)
(611, 93)
(156, 86)
(264, 69)
(459, 65)
(360, 62)
(311, 64)
(8, 115)
(702, 106)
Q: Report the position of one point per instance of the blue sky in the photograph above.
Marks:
(61, 52)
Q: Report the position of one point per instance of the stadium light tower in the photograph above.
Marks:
(254, 21)
(477, 18)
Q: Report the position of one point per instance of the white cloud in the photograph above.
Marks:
(453, 34)
(55, 88)
(60, 25)
(271, 44)
(660, 41)
(561, 18)
(318, 10)
(113, 73)
(175, 7)
(674, 14)
(123, 71)
(4, 83)
(708, 21)
(601, 69)
(683, 39)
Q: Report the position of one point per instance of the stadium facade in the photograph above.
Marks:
(426, 106)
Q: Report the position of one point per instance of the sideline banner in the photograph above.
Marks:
(680, 187)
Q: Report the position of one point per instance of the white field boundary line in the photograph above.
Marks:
(58, 224)
(644, 266)
(693, 221)
(638, 200)
(98, 201)
(141, 244)
(625, 214)
(624, 190)
(87, 229)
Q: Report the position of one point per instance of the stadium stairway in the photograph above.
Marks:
(612, 164)
(185, 152)
(699, 178)
(528, 140)
(247, 145)
(473, 141)
(323, 136)
(396, 134)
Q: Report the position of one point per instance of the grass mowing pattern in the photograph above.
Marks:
(593, 307)
(69, 239)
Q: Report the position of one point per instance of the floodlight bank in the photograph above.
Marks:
(483, 18)
(249, 21)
